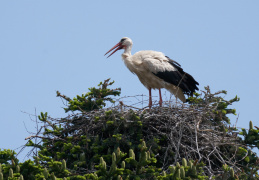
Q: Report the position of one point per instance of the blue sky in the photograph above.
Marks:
(60, 45)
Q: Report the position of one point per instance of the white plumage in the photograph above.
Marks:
(156, 71)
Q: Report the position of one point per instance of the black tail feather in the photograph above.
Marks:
(179, 78)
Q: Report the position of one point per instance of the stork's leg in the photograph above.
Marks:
(160, 98)
(150, 99)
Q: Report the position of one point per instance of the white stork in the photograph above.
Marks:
(156, 71)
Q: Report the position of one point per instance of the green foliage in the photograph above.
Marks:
(221, 106)
(144, 168)
(94, 99)
(30, 170)
(250, 161)
(251, 136)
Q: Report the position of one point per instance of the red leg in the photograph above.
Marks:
(160, 98)
(150, 99)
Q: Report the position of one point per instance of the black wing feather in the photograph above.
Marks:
(179, 78)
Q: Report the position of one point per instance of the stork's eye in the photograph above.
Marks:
(123, 39)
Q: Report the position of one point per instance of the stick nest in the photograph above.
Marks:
(197, 131)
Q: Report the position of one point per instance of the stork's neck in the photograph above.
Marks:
(127, 52)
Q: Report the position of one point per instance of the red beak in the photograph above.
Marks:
(117, 46)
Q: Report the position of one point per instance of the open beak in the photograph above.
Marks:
(116, 47)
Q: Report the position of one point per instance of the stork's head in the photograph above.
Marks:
(123, 44)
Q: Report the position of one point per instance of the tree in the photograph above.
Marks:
(177, 141)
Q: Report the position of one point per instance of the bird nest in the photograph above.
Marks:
(197, 131)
